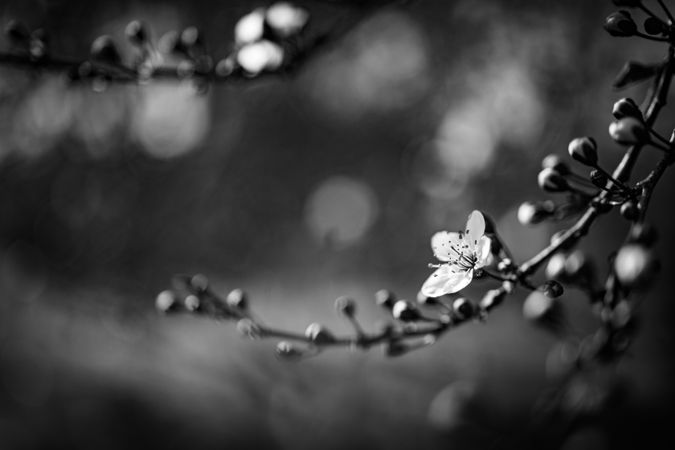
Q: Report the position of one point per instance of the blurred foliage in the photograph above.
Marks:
(299, 190)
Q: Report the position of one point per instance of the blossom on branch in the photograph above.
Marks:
(461, 253)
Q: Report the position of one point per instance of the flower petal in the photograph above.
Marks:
(475, 228)
(482, 251)
(443, 242)
(445, 281)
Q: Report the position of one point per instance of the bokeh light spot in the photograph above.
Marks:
(341, 211)
(171, 120)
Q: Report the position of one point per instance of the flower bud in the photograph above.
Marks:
(635, 265)
(250, 28)
(260, 56)
(538, 307)
(629, 210)
(169, 43)
(192, 303)
(319, 335)
(626, 107)
(492, 298)
(584, 150)
(655, 26)
(556, 163)
(103, 49)
(345, 306)
(531, 213)
(38, 43)
(552, 289)
(166, 301)
(578, 266)
(225, 67)
(237, 299)
(620, 24)
(199, 283)
(463, 308)
(191, 37)
(643, 233)
(249, 329)
(137, 33)
(598, 178)
(385, 298)
(286, 350)
(552, 181)
(555, 268)
(285, 19)
(405, 311)
(504, 265)
(628, 131)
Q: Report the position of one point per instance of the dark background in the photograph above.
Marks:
(300, 189)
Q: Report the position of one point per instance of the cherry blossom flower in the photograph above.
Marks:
(461, 254)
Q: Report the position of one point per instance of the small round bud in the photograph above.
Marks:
(626, 107)
(655, 26)
(643, 233)
(463, 308)
(620, 24)
(385, 298)
(539, 307)
(504, 265)
(552, 181)
(166, 301)
(137, 33)
(635, 265)
(191, 37)
(628, 131)
(185, 69)
(578, 266)
(319, 335)
(532, 213)
(250, 28)
(629, 210)
(260, 56)
(584, 150)
(237, 299)
(405, 311)
(492, 298)
(345, 306)
(555, 268)
(286, 19)
(286, 350)
(169, 43)
(249, 329)
(225, 67)
(556, 163)
(598, 178)
(552, 289)
(199, 283)
(192, 303)
(103, 49)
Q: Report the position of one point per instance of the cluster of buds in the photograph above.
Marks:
(621, 23)
(267, 40)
